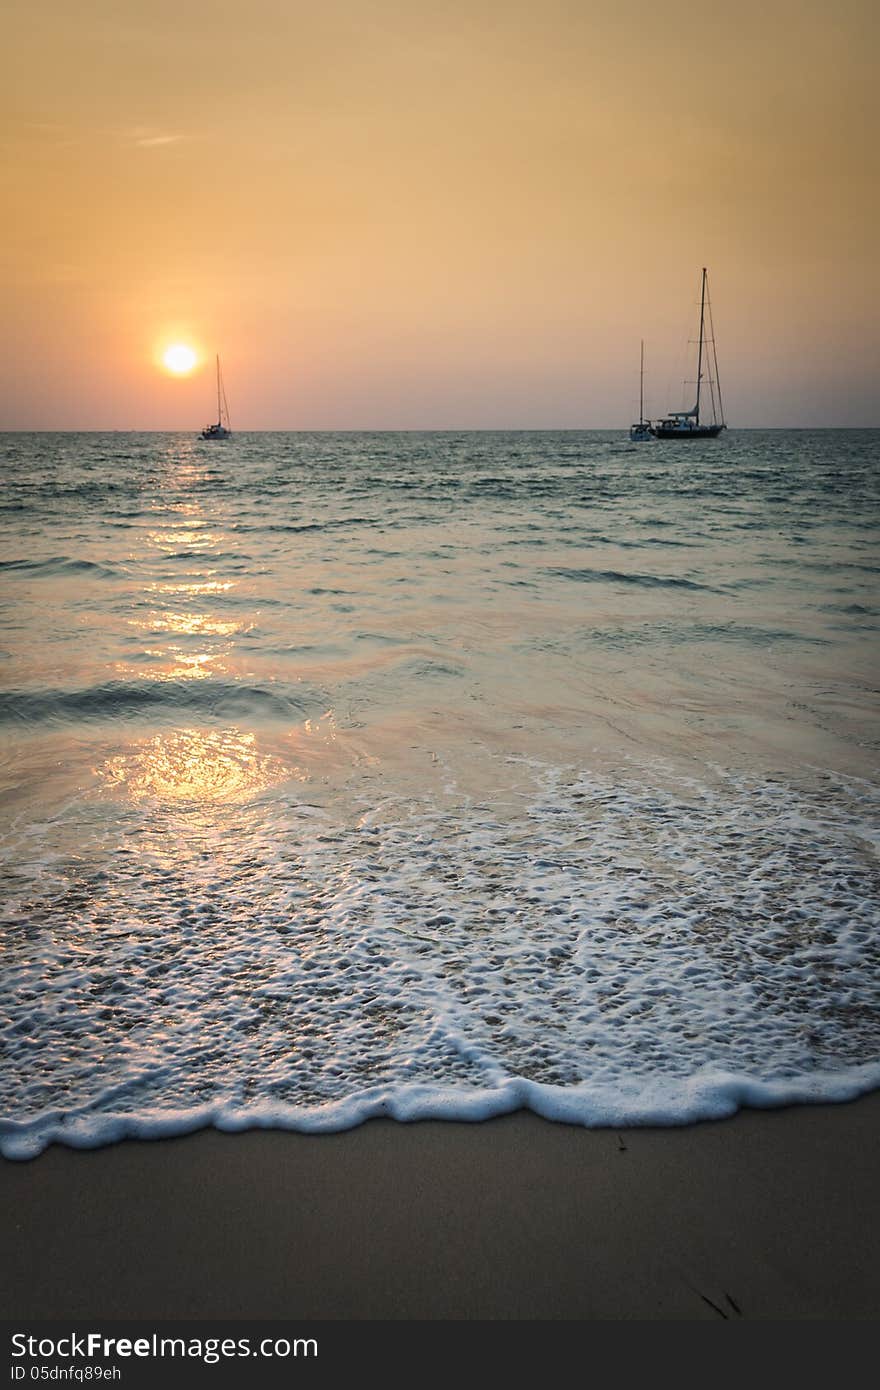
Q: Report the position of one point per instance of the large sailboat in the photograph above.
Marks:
(642, 430)
(222, 429)
(690, 424)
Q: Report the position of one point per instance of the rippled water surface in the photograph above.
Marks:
(435, 775)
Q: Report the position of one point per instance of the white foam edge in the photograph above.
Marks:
(659, 1101)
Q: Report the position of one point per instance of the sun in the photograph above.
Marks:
(179, 359)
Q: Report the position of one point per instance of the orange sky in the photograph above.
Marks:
(389, 214)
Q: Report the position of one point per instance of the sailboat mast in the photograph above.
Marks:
(715, 356)
(700, 354)
(642, 386)
(219, 416)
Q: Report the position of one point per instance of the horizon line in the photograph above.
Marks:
(412, 429)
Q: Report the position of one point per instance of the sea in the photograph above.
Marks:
(435, 775)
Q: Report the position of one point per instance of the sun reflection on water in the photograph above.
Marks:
(189, 535)
(190, 624)
(198, 765)
(193, 590)
(175, 664)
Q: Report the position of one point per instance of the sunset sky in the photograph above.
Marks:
(384, 213)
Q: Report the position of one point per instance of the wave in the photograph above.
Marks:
(58, 565)
(660, 1101)
(662, 634)
(209, 699)
(207, 555)
(591, 576)
(852, 610)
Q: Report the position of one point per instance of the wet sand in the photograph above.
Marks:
(771, 1214)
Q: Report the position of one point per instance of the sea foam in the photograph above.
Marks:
(603, 951)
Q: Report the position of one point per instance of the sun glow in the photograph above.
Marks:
(179, 359)
(196, 766)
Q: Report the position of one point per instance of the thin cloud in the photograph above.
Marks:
(64, 134)
(146, 138)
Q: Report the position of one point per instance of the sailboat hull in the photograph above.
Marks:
(688, 432)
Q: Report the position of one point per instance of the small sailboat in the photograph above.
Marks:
(642, 430)
(688, 424)
(221, 430)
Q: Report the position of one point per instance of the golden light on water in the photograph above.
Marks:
(191, 624)
(174, 664)
(175, 661)
(192, 664)
(208, 586)
(197, 765)
(192, 536)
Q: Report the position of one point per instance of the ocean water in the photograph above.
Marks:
(435, 775)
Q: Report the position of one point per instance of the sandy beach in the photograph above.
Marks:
(768, 1215)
